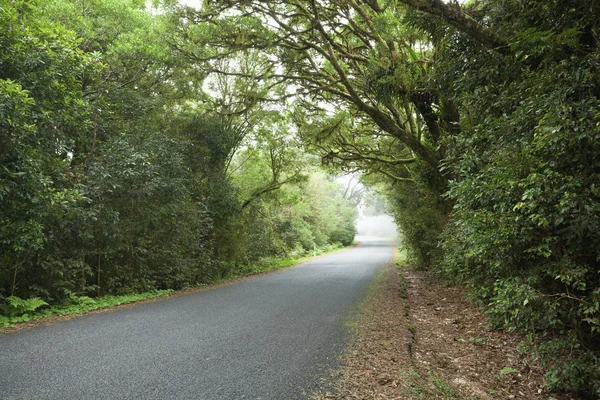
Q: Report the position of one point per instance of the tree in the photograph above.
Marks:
(337, 59)
(39, 66)
(524, 176)
(90, 203)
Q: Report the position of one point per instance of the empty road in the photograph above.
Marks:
(273, 337)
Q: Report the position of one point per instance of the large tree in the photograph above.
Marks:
(351, 68)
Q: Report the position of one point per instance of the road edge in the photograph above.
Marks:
(52, 319)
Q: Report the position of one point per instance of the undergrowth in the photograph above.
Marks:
(16, 310)
(428, 386)
(271, 263)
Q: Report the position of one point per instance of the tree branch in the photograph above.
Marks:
(461, 21)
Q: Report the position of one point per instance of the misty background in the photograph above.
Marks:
(377, 226)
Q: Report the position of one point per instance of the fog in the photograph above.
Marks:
(377, 226)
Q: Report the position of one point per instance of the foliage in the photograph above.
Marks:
(295, 219)
(39, 67)
(15, 306)
(74, 305)
(420, 214)
(356, 80)
(524, 173)
(149, 232)
(120, 175)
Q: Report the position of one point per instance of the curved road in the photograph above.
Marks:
(273, 337)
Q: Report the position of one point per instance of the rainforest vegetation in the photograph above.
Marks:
(120, 174)
(153, 146)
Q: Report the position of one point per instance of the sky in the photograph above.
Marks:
(191, 3)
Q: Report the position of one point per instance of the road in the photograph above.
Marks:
(272, 337)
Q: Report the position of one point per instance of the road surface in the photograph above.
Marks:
(273, 337)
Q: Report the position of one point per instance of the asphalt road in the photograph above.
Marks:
(273, 337)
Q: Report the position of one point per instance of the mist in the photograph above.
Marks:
(382, 226)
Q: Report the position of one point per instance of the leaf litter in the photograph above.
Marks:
(417, 338)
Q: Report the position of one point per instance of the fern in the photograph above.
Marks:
(16, 306)
(17, 310)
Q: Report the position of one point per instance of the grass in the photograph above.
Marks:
(402, 258)
(428, 385)
(402, 263)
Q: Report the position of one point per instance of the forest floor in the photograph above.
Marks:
(417, 338)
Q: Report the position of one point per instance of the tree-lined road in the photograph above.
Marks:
(273, 337)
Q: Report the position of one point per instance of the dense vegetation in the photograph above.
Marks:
(151, 150)
(120, 175)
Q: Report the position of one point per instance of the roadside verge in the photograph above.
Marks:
(416, 338)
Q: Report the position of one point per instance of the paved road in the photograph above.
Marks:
(272, 337)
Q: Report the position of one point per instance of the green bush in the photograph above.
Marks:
(421, 214)
(524, 228)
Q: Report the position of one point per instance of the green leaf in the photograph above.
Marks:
(507, 370)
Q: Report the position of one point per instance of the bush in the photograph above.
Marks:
(524, 229)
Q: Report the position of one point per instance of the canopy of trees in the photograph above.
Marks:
(161, 148)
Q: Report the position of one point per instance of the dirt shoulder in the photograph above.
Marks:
(416, 338)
